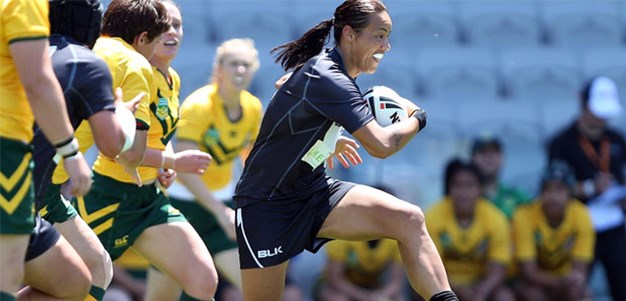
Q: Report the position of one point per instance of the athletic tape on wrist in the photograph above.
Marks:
(128, 124)
(67, 149)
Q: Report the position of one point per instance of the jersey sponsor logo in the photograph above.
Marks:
(162, 110)
(121, 242)
(269, 253)
(164, 114)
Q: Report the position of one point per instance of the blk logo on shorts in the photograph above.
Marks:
(269, 253)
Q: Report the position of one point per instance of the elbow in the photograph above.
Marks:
(113, 149)
(132, 157)
(135, 158)
(110, 150)
(379, 152)
(113, 146)
(380, 155)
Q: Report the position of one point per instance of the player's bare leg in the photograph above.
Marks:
(366, 213)
(266, 284)
(177, 250)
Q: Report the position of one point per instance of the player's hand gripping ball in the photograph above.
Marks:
(386, 105)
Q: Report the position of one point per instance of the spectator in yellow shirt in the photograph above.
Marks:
(554, 240)
(471, 235)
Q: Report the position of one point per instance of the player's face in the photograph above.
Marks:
(488, 161)
(554, 198)
(371, 44)
(464, 191)
(170, 41)
(236, 70)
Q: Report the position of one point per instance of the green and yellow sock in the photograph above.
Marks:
(95, 294)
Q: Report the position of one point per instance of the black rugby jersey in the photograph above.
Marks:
(299, 129)
(87, 86)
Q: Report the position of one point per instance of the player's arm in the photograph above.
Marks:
(114, 131)
(382, 142)
(42, 88)
(185, 161)
(533, 274)
(47, 103)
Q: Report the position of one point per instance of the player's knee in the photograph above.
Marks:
(201, 283)
(100, 266)
(75, 287)
(414, 217)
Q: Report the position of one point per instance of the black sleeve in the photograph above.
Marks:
(93, 88)
(340, 100)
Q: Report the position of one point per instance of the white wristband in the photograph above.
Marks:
(68, 149)
(126, 120)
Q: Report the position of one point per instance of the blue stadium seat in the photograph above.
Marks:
(268, 25)
(458, 73)
(398, 77)
(198, 26)
(422, 24)
(515, 123)
(500, 24)
(541, 74)
(194, 65)
(584, 23)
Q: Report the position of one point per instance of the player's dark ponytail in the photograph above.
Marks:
(296, 53)
(353, 13)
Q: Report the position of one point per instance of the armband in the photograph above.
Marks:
(420, 115)
(67, 148)
(127, 121)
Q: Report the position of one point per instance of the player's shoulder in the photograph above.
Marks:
(578, 207)
(200, 96)
(250, 99)
(489, 210)
(525, 211)
(615, 136)
(174, 74)
(117, 50)
(438, 209)
(562, 135)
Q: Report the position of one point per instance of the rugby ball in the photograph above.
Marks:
(386, 105)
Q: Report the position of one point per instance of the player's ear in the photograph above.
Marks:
(348, 33)
(141, 38)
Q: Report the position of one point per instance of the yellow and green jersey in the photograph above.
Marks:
(20, 20)
(364, 262)
(553, 248)
(204, 120)
(132, 72)
(467, 251)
